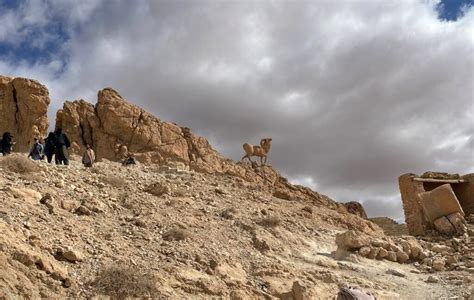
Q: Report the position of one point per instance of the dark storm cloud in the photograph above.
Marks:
(353, 93)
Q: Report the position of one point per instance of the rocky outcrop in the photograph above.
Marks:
(116, 128)
(356, 208)
(24, 107)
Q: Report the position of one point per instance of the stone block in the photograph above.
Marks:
(440, 202)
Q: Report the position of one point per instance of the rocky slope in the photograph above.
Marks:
(153, 230)
(186, 221)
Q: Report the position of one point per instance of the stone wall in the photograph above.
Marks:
(412, 190)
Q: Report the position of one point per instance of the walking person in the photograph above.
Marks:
(88, 158)
(36, 152)
(50, 146)
(62, 144)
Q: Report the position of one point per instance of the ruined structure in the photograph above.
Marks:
(24, 107)
(436, 201)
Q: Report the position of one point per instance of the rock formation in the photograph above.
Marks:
(356, 208)
(24, 107)
(115, 128)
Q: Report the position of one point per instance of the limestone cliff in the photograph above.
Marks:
(24, 107)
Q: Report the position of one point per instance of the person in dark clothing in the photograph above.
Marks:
(130, 160)
(36, 152)
(7, 143)
(50, 146)
(62, 143)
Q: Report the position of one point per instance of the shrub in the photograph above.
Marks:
(175, 234)
(18, 163)
(229, 213)
(271, 221)
(121, 282)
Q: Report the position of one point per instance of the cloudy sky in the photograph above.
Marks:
(353, 93)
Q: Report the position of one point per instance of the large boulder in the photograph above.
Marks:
(23, 107)
(351, 240)
(440, 202)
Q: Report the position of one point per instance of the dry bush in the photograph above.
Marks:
(114, 180)
(18, 163)
(229, 213)
(175, 234)
(121, 282)
(270, 221)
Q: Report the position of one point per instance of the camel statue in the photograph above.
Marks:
(254, 150)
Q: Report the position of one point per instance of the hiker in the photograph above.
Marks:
(50, 146)
(130, 160)
(88, 158)
(61, 145)
(36, 152)
(7, 143)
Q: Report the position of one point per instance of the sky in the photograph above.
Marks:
(353, 93)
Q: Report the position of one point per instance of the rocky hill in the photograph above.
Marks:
(187, 222)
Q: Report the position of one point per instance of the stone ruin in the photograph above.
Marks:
(437, 201)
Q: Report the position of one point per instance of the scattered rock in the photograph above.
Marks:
(72, 255)
(157, 189)
(396, 272)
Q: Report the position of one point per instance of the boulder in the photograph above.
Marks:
(442, 225)
(383, 253)
(364, 251)
(374, 252)
(355, 208)
(392, 256)
(351, 240)
(402, 257)
(72, 255)
(438, 264)
(440, 202)
(23, 107)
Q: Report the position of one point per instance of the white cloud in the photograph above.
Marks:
(354, 93)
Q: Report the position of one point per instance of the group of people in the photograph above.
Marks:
(57, 144)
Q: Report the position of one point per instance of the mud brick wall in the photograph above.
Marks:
(414, 216)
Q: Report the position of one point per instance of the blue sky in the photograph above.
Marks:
(353, 93)
(451, 10)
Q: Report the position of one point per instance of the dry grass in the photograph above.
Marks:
(229, 213)
(122, 282)
(18, 163)
(270, 221)
(176, 234)
(114, 180)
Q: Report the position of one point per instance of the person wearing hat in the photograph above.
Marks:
(36, 152)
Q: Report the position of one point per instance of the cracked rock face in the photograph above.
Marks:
(24, 106)
(115, 128)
